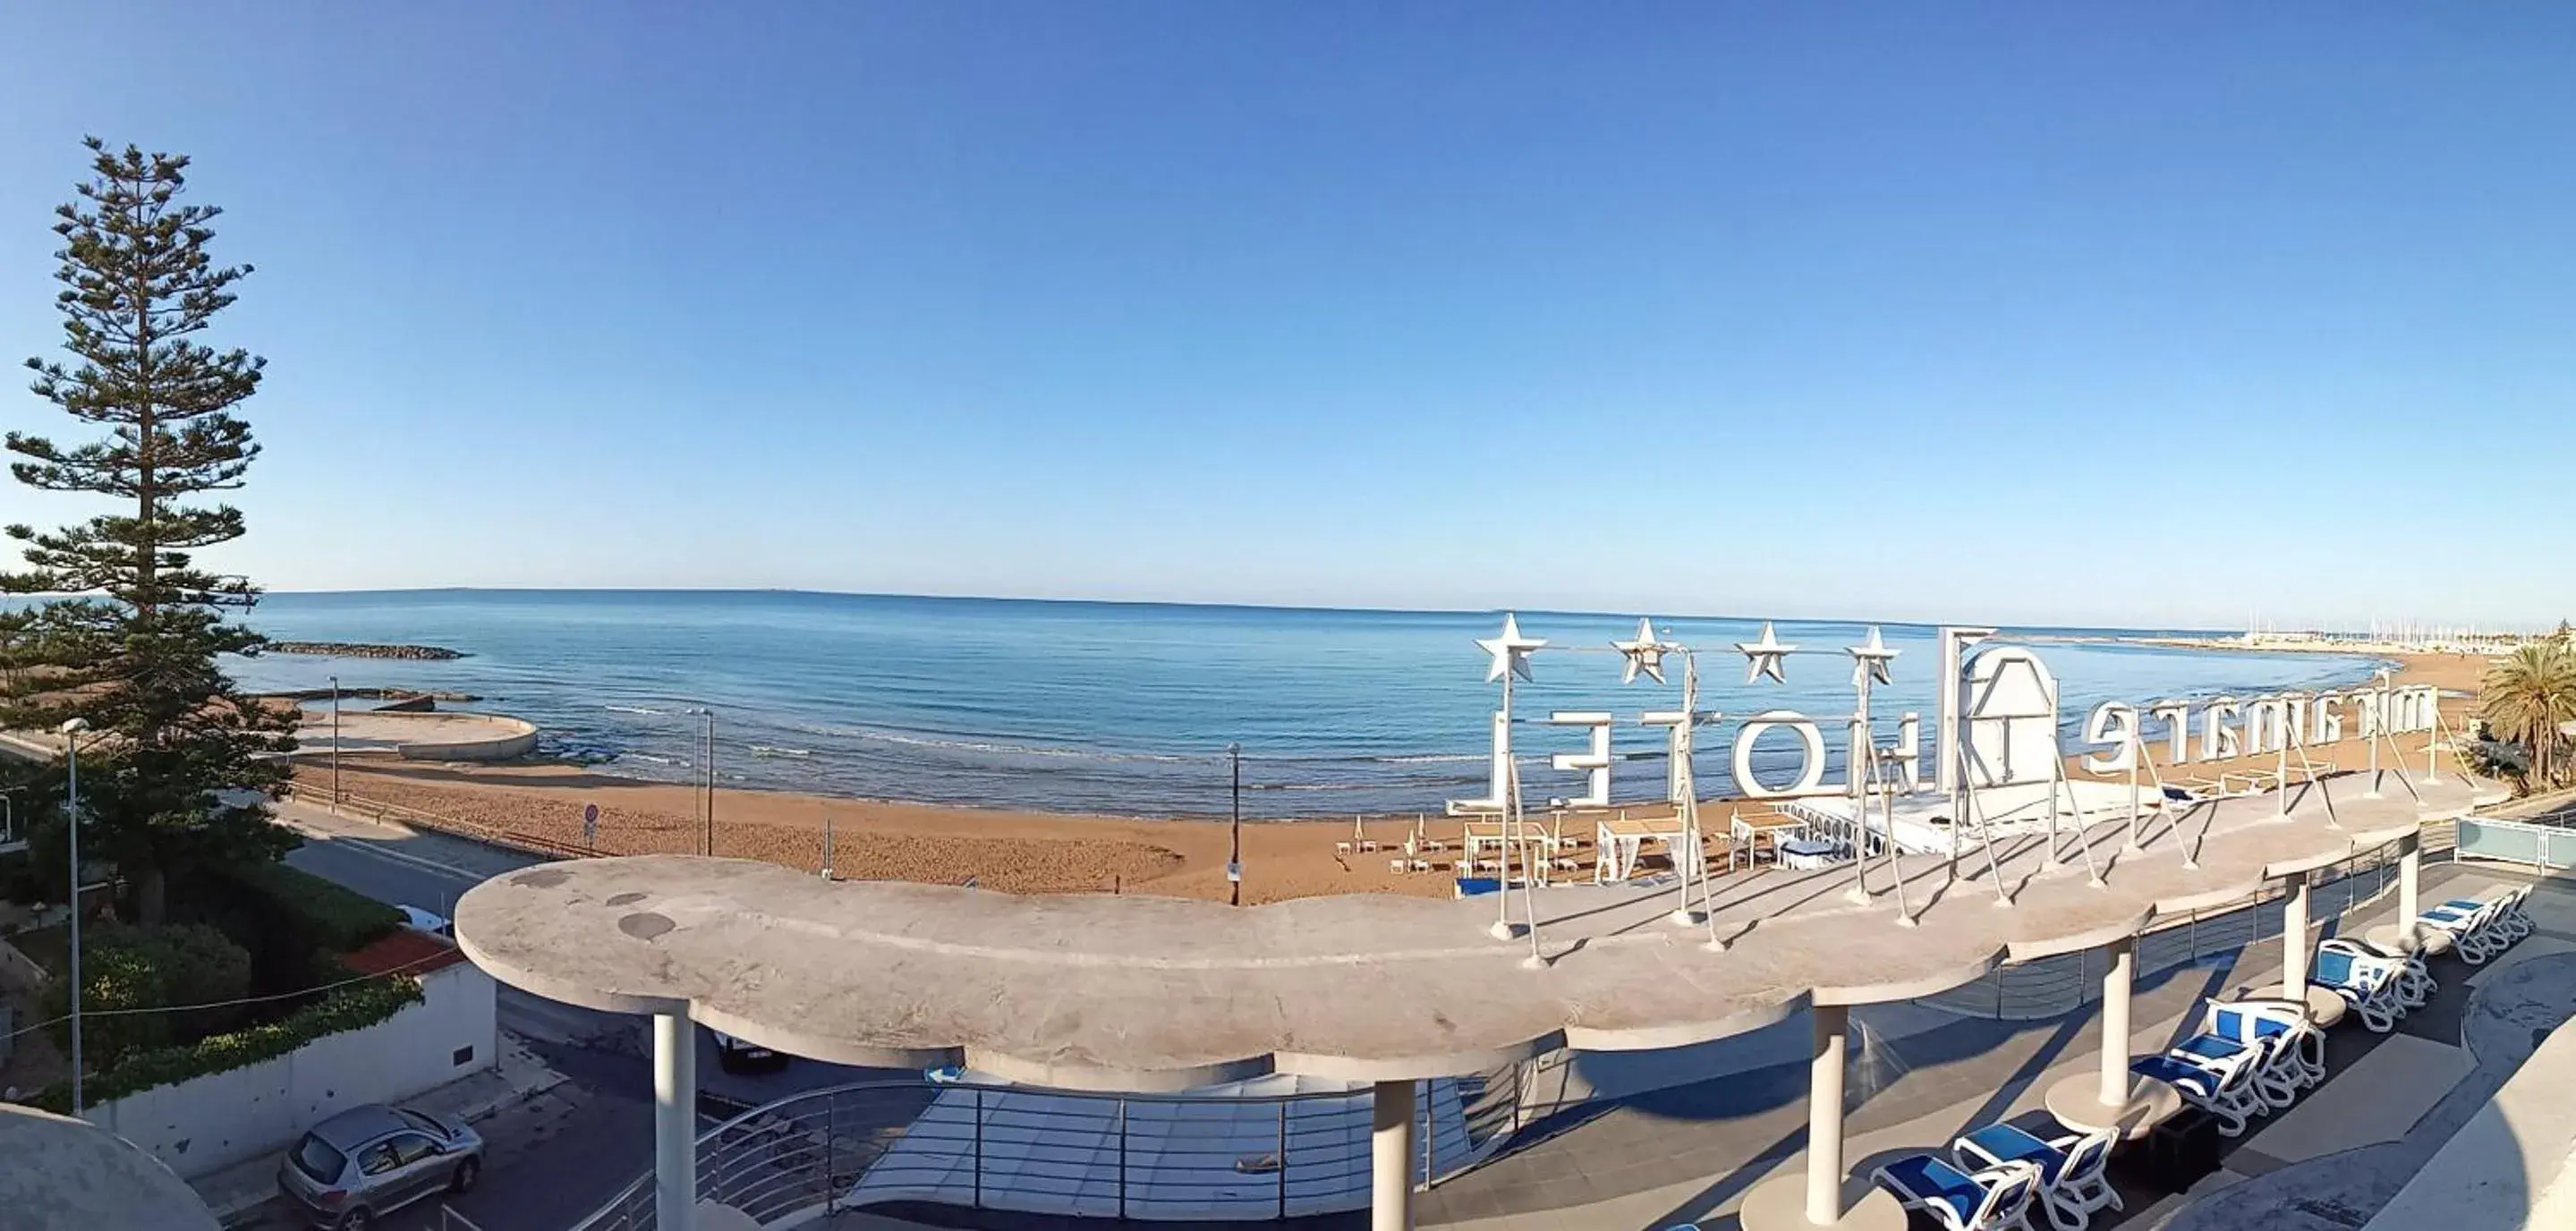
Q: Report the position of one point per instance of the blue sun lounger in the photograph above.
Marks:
(2290, 1050)
(2224, 1090)
(2471, 927)
(2480, 929)
(2368, 984)
(2415, 985)
(1995, 1199)
(2071, 1180)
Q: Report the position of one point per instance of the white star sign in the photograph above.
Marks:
(1511, 651)
(1871, 658)
(1765, 657)
(1645, 654)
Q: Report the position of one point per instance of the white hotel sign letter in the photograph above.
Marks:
(2116, 730)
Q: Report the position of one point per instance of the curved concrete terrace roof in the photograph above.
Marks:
(1145, 993)
(64, 1174)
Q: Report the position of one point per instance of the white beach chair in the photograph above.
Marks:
(1995, 1199)
(2503, 920)
(2415, 985)
(2368, 984)
(2072, 1184)
(2224, 1090)
(2290, 1052)
(2472, 927)
(2512, 916)
(2272, 1088)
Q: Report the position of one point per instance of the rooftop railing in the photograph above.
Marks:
(2055, 986)
(1200, 1157)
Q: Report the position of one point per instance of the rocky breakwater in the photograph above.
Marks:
(364, 649)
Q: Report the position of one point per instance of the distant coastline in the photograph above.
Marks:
(364, 649)
(2239, 643)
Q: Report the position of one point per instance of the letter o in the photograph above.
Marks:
(1811, 745)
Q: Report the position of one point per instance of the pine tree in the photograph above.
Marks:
(129, 634)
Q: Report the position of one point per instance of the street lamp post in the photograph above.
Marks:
(1234, 860)
(335, 745)
(707, 834)
(71, 811)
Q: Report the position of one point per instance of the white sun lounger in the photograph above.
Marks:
(2368, 984)
(1996, 1199)
(2072, 1185)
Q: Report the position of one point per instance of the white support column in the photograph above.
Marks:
(675, 1122)
(1791, 1202)
(2410, 879)
(1825, 1114)
(2119, 975)
(1391, 1156)
(2294, 941)
(2112, 1097)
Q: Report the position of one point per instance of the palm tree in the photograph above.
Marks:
(2527, 698)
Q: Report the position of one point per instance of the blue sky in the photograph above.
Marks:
(2026, 313)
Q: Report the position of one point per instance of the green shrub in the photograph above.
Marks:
(204, 967)
(116, 976)
(353, 1007)
(317, 912)
(125, 969)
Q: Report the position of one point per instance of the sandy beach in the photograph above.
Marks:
(1013, 851)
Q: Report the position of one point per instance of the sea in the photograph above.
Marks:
(1130, 708)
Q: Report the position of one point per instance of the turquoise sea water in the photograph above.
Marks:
(1122, 707)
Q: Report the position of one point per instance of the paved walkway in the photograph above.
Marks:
(1689, 1153)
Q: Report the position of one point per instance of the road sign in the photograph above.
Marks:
(590, 824)
(1234, 872)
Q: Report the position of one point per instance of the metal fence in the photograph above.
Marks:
(2539, 844)
(2055, 986)
(1147, 1157)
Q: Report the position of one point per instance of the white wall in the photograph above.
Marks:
(218, 1120)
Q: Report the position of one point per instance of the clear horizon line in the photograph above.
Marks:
(1218, 605)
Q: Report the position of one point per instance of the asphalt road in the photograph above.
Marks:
(559, 1157)
(381, 876)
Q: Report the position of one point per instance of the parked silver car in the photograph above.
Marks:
(373, 1159)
